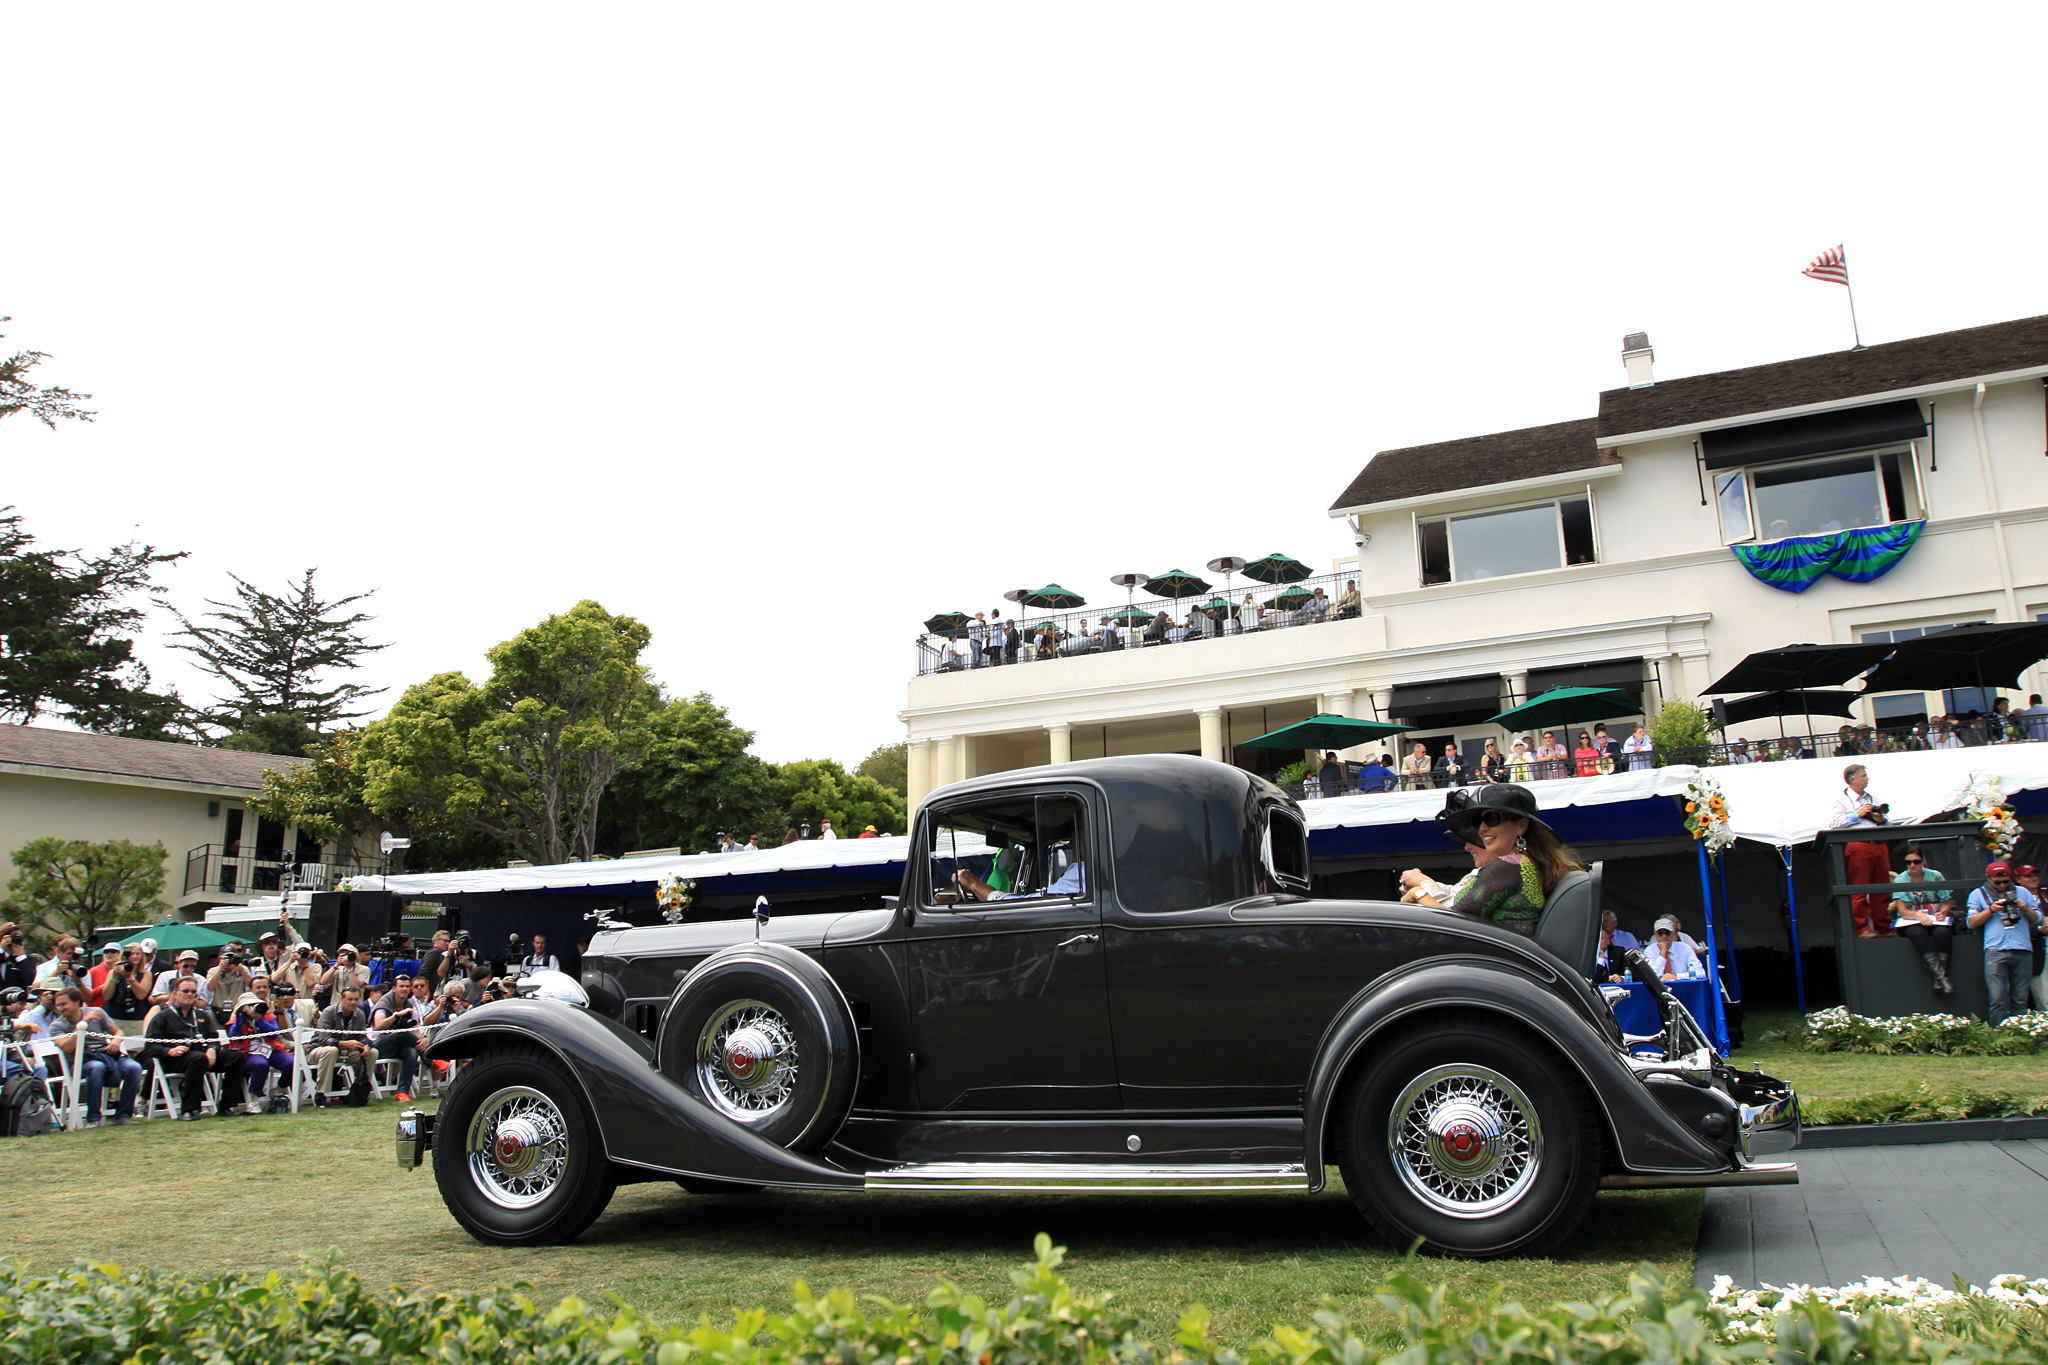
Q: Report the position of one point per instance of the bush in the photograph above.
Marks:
(95, 1315)
(1922, 1035)
(1681, 732)
(1924, 1105)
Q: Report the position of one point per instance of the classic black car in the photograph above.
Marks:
(1149, 999)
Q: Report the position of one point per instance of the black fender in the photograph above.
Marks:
(807, 976)
(644, 1119)
(1644, 1137)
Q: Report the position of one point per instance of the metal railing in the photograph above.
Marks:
(1099, 628)
(1737, 751)
(232, 871)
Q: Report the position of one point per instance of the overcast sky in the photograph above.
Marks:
(781, 328)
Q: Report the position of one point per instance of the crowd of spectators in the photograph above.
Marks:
(230, 1037)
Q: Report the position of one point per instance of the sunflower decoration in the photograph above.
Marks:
(1706, 815)
(674, 893)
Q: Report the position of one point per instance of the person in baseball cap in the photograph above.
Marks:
(2008, 915)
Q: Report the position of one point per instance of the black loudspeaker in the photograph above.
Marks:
(1720, 714)
(323, 924)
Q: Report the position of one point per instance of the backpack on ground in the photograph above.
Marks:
(359, 1089)
(25, 1108)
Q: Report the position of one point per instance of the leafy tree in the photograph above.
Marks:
(1680, 732)
(67, 619)
(694, 779)
(889, 765)
(270, 732)
(18, 394)
(270, 651)
(72, 886)
(525, 758)
(813, 789)
(324, 796)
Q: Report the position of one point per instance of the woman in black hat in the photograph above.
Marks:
(1517, 859)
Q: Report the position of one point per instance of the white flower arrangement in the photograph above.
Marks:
(674, 893)
(1929, 1033)
(1706, 814)
(1986, 803)
(345, 884)
(1753, 1313)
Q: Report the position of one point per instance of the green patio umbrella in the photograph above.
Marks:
(1053, 597)
(1176, 583)
(1562, 707)
(1214, 605)
(1326, 732)
(1135, 616)
(1289, 600)
(1277, 568)
(175, 936)
(945, 621)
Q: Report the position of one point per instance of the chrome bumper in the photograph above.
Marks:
(1764, 1173)
(415, 1138)
(1769, 1127)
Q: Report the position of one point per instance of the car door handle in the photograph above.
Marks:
(1078, 938)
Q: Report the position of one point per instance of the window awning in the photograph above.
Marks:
(1452, 701)
(1794, 438)
(1624, 675)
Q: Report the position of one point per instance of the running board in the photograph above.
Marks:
(990, 1176)
(1763, 1173)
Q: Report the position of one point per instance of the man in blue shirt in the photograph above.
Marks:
(2007, 914)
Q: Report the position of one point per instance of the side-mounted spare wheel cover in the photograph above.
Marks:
(763, 1035)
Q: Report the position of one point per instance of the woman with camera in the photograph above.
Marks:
(253, 1032)
(1868, 861)
(129, 985)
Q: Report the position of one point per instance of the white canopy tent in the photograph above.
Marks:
(789, 863)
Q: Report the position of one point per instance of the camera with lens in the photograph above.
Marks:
(390, 943)
(304, 951)
(460, 940)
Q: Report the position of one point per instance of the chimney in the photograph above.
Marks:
(1636, 356)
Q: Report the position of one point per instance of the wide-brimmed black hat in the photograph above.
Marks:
(1459, 819)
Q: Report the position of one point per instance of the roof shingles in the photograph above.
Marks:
(1474, 462)
(228, 768)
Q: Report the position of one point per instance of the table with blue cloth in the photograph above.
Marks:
(1638, 1013)
(404, 966)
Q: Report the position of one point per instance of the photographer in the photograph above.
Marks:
(342, 1025)
(129, 985)
(1867, 861)
(347, 971)
(2007, 914)
(435, 965)
(188, 970)
(100, 1059)
(18, 966)
(229, 979)
(65, 963)
(15, 1037)
(96, 978)
(254, 1033)
(396, 1019)
(183, 1036)
(299, 969)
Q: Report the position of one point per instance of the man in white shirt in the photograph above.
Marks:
(1867, 861)
(1637, 746)
(2034, 719)
(825, 830)
(188, 969)
(1668, 954)
(540, 959)
(1551, 757)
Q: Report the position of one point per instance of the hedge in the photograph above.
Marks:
(1921, 1035)
(99, 1315)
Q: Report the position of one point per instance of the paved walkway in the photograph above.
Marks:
(1975, 1209)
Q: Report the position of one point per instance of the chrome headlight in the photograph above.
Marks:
(552, 986)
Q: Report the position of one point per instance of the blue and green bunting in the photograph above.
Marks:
(1860, 556)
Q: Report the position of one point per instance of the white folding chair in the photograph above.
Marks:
(65, 1089)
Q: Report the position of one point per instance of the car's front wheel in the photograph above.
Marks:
(1469, 1135)
(515, 1152)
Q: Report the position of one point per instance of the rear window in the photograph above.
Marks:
(1286, 850)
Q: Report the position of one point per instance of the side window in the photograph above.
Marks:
(1286, 851)
(1010, 848)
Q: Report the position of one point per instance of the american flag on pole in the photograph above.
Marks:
(1831, 265)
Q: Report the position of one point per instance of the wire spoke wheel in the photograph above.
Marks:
(516, 1147)
(1465, 1140)
(746, 1061)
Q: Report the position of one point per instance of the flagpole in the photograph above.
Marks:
(1854, 330)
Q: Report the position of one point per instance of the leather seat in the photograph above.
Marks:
(1570, 926)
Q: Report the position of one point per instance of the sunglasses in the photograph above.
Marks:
(1664, 933)
(1915, 862)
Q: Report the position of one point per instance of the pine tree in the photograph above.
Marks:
(271, 652)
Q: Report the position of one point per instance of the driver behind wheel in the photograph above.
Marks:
(1072, 882)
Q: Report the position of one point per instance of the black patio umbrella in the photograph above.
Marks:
(1798, 668)
(945, 621)
(1782, 704)
(1277, 568)
(1053, 597)
(1991, 655)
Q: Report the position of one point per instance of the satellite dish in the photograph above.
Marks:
(387, 844)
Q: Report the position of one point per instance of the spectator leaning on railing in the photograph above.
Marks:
(2006, 914)
(1923, 911)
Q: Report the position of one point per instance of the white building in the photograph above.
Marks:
(1607, 551)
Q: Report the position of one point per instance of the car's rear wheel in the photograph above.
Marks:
(1469, 1135)
(516, 1154)
(764, 1047)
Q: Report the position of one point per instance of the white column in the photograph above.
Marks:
(965, 757)
(1211, 720)
(946, 761)
(920, 778)
(1062, 735)
(1337, 703)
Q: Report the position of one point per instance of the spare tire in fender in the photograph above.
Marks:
(763, 1035)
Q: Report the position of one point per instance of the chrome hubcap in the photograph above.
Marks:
(1465, 1140)
(517, 1147)
(747, 1061)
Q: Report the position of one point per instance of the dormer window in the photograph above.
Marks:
(1498, 542)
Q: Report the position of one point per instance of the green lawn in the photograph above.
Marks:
(1839, 1075)
(258, 1193)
